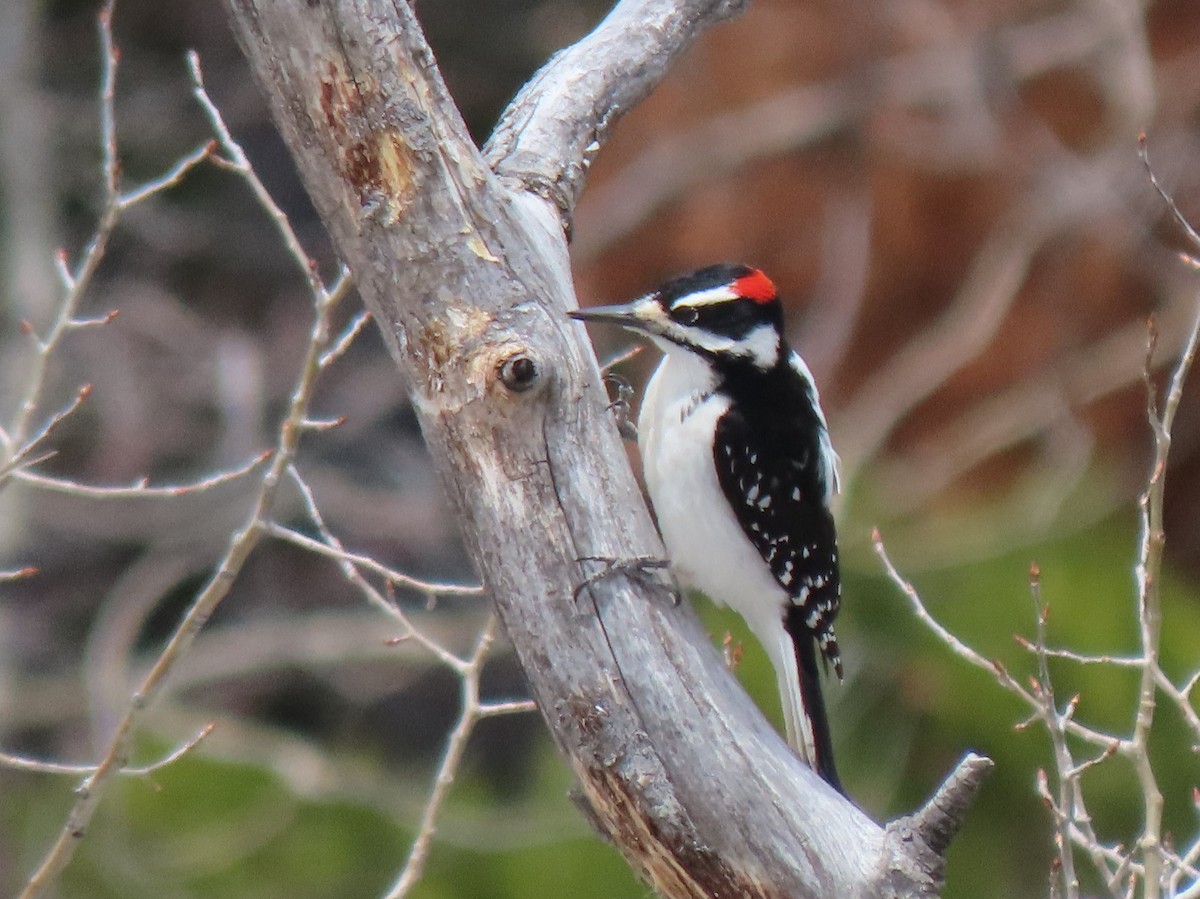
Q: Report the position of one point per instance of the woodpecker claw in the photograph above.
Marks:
(620, 407)
(643, 569)
(626, 428)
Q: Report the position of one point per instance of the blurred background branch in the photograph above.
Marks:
(950, 197)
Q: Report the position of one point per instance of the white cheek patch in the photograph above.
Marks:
(761, 346)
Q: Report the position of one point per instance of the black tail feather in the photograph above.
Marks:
(814, 701)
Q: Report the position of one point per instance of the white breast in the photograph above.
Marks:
(707, 546)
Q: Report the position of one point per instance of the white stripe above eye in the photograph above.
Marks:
(709, 297)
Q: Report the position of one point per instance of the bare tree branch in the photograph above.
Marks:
(469, 714)
(242, 542)
(920, 840)
(467, 273)
(1151, 866)
(549, 135)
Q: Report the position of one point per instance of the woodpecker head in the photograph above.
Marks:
(728, 314)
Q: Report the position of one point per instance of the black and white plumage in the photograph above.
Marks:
(740, 470)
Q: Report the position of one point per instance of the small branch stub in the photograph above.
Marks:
(918, 842)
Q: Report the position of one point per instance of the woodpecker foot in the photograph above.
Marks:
(643, 569)
(621, 407)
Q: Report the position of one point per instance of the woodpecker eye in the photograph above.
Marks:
(688, 315)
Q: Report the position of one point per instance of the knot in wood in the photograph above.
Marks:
(519, 371)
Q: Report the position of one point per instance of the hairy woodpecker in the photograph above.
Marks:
(740, 471)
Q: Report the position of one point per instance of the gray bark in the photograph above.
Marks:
(463, 262)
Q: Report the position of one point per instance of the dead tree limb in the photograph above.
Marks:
(463, 262)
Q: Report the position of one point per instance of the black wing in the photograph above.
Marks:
(774, 479)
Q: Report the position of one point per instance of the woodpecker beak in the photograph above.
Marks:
(618, 315)
(644, 315)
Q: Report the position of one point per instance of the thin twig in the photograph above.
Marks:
(242, 542)
(1181, 698)
(16, 438)
(1064, 807)
(469, 715)
(141, 490)
(17, 574)
(515, 707)
(173, 176)
(22, 457)
(1148, 572)
(1176, 213)
(621, 357)
(238, 162)
(23, 763)
(331, 546)
(78, 281)
(1076, 772)
(1082, 658)
(1006, 680)
(342, 342)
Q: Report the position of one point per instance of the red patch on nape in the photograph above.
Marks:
(755, 286)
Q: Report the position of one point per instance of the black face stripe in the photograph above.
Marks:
(735, 319)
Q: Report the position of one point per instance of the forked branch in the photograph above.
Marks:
(463, 264)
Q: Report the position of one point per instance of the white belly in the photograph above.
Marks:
(706, 545)
(704, 540)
